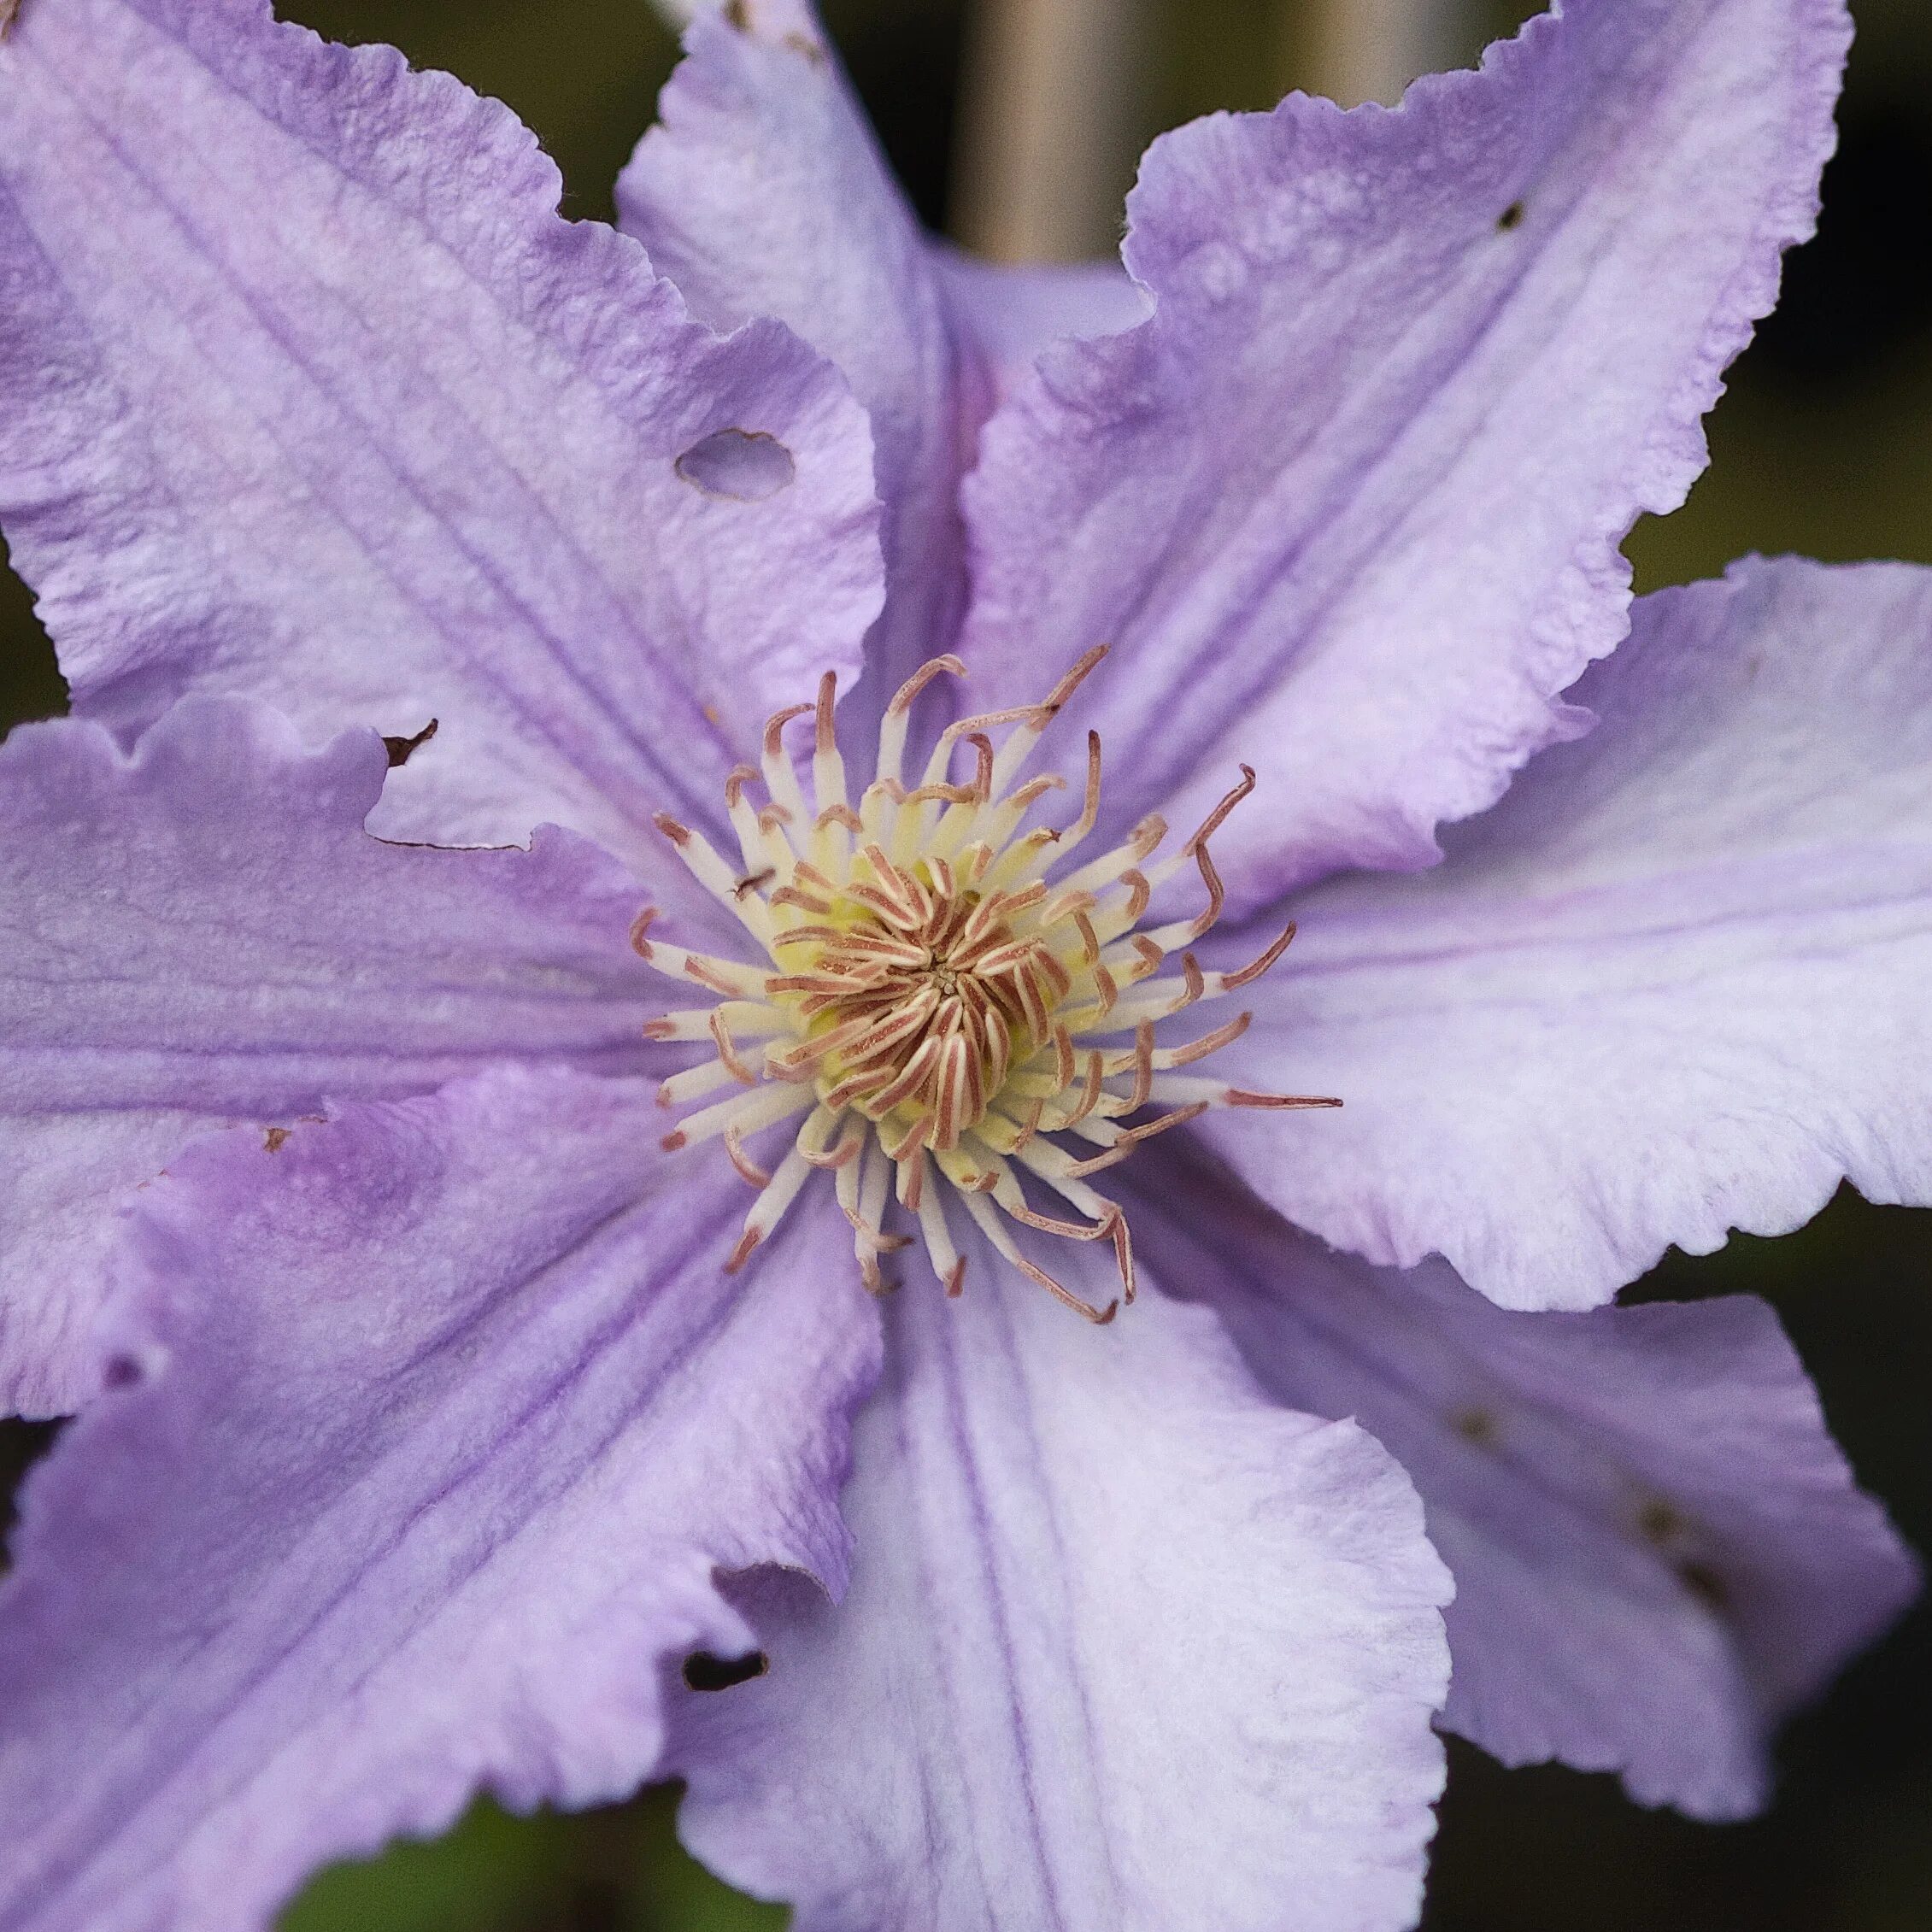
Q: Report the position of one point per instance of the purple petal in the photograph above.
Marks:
(1016, 313)
(1348, 504)
(763, 193)
(381, 438)
(1125, 1646)
(1657, 1549)
(430, 1430)
(1671, 986)
(200, 932)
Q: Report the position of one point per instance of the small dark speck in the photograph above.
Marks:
(275, 1138)
(745, 464)
(1705, 1584)
(1660, 1522)
(737, 15)
(400, 748)
(703, 1671)
(1474, 1425)
(1511, 217)
(120, 1371)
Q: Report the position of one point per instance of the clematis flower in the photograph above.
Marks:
(443, 589)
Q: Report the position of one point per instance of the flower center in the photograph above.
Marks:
(919, 993)
(937, 1004)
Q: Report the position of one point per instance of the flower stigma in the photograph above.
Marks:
(939, 1008)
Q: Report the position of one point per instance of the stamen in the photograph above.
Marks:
(828, 768)
(694, 1023)
(1126, 1139)
(781, 781)
(1219, 817)
(1223, 1036)
(925, 991)
(898, 715)
(734, 1148)
(1236, 1097)
(1230, 982)
(727, 1053)
(1090, 811)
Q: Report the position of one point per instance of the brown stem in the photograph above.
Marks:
(1045, 128)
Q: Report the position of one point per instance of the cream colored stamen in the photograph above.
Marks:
(937, 1007)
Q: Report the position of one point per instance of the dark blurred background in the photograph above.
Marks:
(1824, 446)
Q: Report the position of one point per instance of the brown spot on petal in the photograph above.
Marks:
(10, 12)
(1661, 1522)
(737, 15)
(275, 1138)
(1705, 1585)
(745, 465)
(1476, 1425)
(1511, 217)
(703, 1671)
(400, 748)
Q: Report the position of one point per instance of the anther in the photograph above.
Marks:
(734, 1152)
(933, 667)
(1223, 1036)
(1090, 809)
(727, 1052)
(1239, 1096)
(775, 728)
(823, 738)
(1216, 818)
(1072, 681)
(1232, 982)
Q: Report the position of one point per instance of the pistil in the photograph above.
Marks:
(945, 1014)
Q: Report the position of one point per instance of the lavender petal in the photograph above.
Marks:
(1670, 986)
(1017, 312)
(1658, 1551)
(1348, 506)
(200, 932)
(1125, 1648)
(429, 1432)
(762, 192)
(307, 393)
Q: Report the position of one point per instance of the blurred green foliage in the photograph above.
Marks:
(616, 1870)
(1822, 447)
